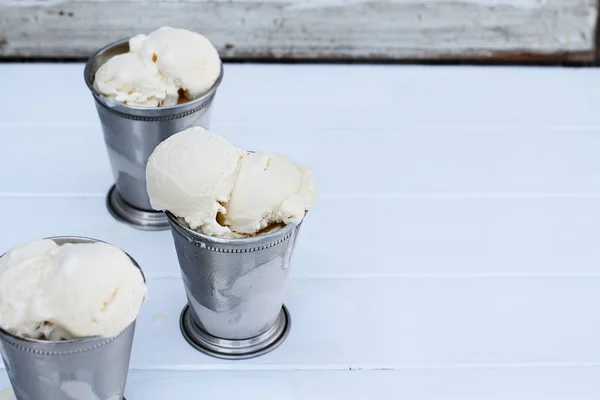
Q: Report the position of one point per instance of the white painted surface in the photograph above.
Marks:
(356, 99)
(552, 383)
(480, 273)
(315, 29)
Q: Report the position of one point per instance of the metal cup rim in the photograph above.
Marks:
(88, 339)
(140, 109)
(76, 340)
(232, 241)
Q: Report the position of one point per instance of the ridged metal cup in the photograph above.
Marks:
(235, 288)
(132, 132)
(93, 368)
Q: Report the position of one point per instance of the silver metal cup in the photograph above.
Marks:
(93, 368)
(235, 288)
(131, 133)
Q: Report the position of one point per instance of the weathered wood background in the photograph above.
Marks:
(313, 29)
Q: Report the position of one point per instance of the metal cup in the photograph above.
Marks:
(92, 368)
(235, 288)
(131, 133)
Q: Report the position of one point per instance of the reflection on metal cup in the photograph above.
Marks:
(235, 287)
(132, 132)
(87, 368)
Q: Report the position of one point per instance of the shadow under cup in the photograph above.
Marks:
(132, 132)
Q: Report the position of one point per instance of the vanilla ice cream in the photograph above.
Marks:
(220, 190)
(192, 174)
(57, 292)
(127, 79)
(269, 189)
(160, 68)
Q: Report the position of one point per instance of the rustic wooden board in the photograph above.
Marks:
(313, 29)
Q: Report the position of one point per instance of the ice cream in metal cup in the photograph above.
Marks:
(235, 290)
(84, 368)
(132, 132)
(235, 218)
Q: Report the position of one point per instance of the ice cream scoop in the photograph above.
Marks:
(192, 174)
(220, 190)
(269, 189)
(160, 68)
(127, 79)
(57, 292)
(186, 58)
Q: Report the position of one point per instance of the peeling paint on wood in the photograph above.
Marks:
(312, 29)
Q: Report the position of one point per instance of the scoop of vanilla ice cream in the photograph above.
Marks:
(21, 272)
(269, 189)
(92, 289)
(159, 66)
(191, 174)
(127, 79)
(186, 58)
(70, 291)
(220, 190)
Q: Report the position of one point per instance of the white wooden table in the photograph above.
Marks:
(454, 252)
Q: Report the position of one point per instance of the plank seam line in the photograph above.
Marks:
(365, 367)
(375, 276)
(320, 127)
(346, 196)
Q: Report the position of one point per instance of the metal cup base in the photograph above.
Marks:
(238, 349)
(140, 219)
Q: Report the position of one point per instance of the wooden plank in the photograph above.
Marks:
(395, 324)
(466, 384)
(426, 238)
(352, 98)
(514, 383)
(313, 29)
(446, 162)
